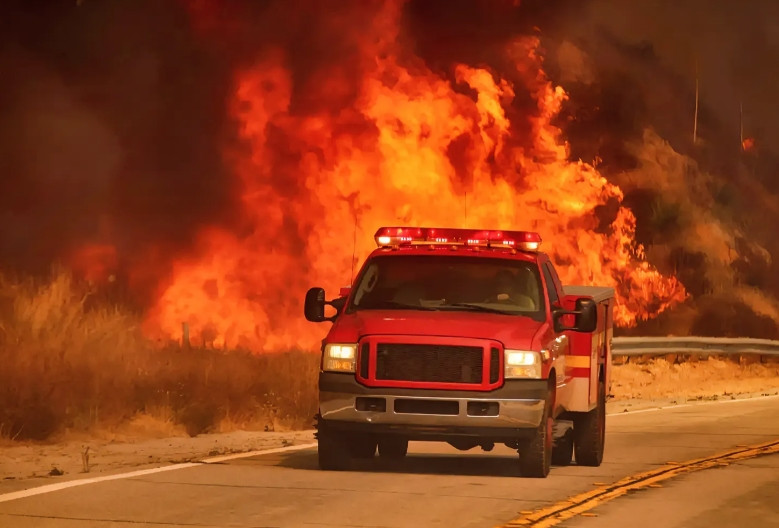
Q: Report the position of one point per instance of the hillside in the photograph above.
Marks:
(705, 211)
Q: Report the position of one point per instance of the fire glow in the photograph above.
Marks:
(414, 148)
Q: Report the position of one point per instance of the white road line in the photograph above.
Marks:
(695, 404)
(223, 458)
(40, 490)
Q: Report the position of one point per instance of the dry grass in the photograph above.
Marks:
(659, 378)
(69, 364)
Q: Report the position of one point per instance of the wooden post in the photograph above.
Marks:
(185, 334)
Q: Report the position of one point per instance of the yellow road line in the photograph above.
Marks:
(579, 504)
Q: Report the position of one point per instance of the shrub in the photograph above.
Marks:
(66, 366)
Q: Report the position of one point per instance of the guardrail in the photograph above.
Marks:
(698, 346)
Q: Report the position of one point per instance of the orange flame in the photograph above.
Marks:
(414, 149)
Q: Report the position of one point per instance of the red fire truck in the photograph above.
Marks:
(468, 337)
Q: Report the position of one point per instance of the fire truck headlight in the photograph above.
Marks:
(339, 358)
(522, 364)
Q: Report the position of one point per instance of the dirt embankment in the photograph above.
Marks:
(79, 456)
(691, 380)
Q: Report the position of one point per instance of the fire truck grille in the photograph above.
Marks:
(494, 365)
(429, 363)
(364, 360)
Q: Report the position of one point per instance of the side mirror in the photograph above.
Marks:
(586, 317)
(314, 307)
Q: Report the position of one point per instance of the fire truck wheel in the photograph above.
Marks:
(362, 447)
(333, 451)
(393, 448)
(535, 455)
(562, 452)
(589, 431)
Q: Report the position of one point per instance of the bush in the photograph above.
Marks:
(64, 366)
(665, 218)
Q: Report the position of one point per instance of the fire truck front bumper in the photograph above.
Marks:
(511, 411)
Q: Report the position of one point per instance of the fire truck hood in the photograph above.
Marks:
(514, 331)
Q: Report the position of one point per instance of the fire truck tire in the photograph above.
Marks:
(393, 448)
(562, 452)
(589, 430)
(333, 451)
(535, 455)
(362, 447)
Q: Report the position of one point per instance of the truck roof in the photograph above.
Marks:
(598, 293)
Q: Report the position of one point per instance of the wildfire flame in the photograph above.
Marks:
(415, 148)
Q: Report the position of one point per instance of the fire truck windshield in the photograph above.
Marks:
(450, 282)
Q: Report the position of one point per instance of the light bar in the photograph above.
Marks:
(413, 236)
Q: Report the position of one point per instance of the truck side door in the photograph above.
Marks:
(558, 345)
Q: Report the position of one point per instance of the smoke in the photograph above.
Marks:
(648, 56)
(113, 116)
(59, 161)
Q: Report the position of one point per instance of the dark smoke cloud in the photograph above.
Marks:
(115, 115)
(112, 115)
(646, 56)
(642, 57)
(629, 65)
(641, 61)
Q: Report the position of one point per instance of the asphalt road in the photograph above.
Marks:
(744, 494)
(439, 486)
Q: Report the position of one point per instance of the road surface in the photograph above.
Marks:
(437, 485)
(743, 494)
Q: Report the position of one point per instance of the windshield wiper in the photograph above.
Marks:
(394, 304)
(479, 308)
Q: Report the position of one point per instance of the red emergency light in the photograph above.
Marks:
(411, 236)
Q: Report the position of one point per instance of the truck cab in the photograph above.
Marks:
(467, 337)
